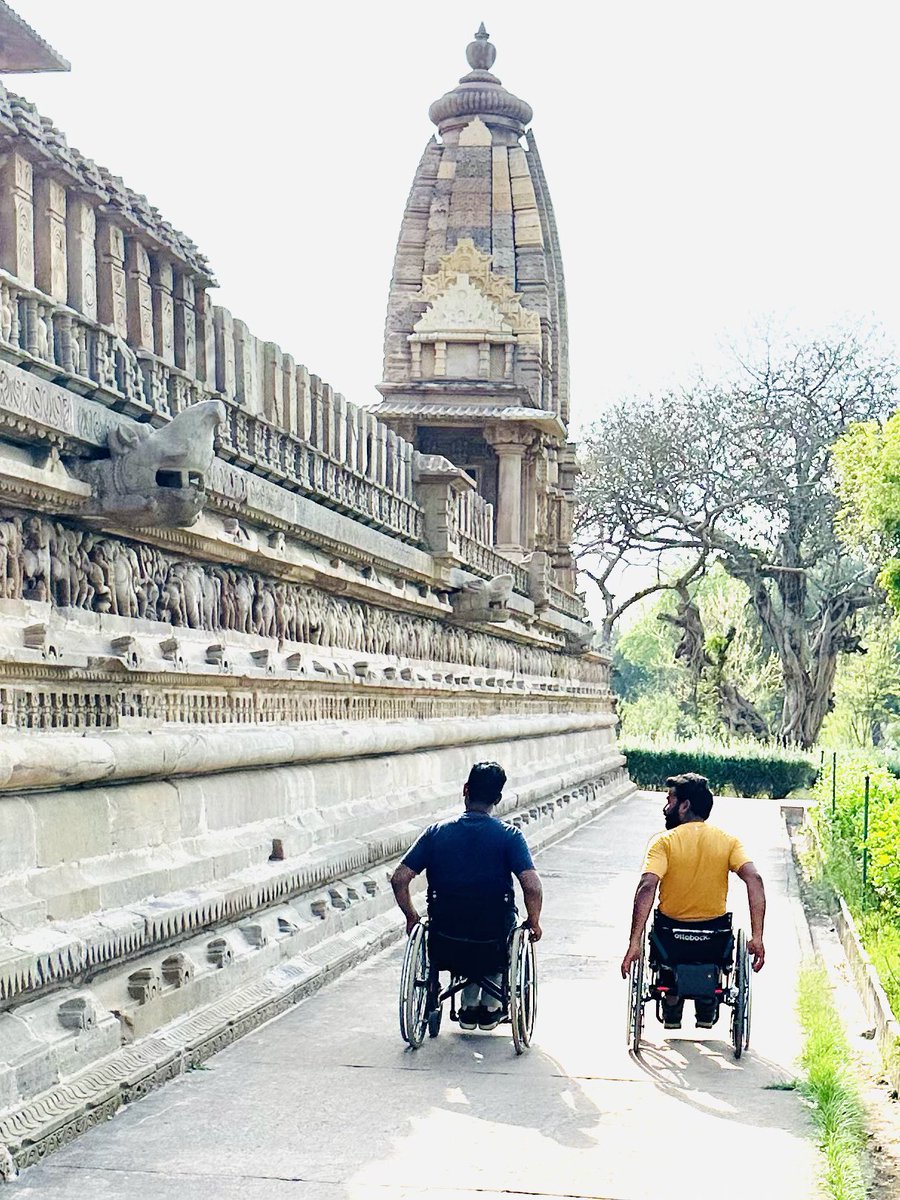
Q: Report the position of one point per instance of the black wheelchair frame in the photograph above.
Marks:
(422, 997)
(724, 982)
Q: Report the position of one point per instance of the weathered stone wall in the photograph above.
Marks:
(250, 643)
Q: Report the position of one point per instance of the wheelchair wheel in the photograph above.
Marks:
(522, 988)
(635, 1015)
(740, 1012)
(414, 988)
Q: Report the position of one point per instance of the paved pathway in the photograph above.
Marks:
(326, 1103)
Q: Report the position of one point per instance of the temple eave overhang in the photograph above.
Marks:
(430, 413)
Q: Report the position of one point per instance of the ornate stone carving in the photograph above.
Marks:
(177, 969)
(483, 600)
(461, 308)
(144, 984)
(467, 260)
(155, 476)
(79, 1013)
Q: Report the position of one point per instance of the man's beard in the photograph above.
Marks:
(673, 820)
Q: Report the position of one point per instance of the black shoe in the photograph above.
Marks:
(469, 1018)
(489, 1018)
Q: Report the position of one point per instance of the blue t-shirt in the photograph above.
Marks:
(473, 853)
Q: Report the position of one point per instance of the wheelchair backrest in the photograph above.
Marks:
(479, 918)
(673, 942)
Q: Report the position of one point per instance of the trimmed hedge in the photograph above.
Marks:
(742, 770)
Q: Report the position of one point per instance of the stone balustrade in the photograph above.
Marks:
(100, 295)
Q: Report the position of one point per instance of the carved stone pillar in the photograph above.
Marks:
(185, 325)
(81, 231)
(206, 338)
(112, 308)
(162, 280)
(50, 267)
(17, 218)
(327, 428)
(509, 445)
(246, 374)
(225, 370)
(303, 427)
(140, 297)
(273, 384)
(317, 432)
(289, 393)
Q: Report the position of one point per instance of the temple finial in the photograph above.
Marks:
(480, 54)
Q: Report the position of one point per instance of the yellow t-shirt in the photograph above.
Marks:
(692, 862)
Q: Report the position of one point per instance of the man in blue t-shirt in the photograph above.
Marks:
(470, 860)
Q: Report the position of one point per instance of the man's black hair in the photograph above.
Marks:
(486, 780)
(695, 789)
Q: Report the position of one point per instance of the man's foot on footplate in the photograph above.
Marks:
(489, 1018)
(468, 1018)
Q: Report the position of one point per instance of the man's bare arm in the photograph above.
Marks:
(533, 895)
(756, 898)
(400, 881)
(644, 896)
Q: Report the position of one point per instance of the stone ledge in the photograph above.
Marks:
(27, 762)
(872, 994)
(60, 1114)
(49, 957)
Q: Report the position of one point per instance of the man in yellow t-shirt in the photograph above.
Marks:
(690, 864)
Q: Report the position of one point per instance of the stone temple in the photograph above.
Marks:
(252, 635)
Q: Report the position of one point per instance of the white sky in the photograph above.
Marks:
(710, 164)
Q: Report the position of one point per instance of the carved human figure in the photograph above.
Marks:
(11, 560)
(6, 314)
(264, 611)
(36, 559)
(243, 602)
(43, 334)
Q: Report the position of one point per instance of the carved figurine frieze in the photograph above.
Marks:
(155, 476)
(48, 560)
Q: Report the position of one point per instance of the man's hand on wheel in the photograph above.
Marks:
(535, 933)
(634, 953)
(757, 952)
(411, 922)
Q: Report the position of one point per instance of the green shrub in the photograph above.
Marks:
(841, 831)
(744, 769)
(877, 907)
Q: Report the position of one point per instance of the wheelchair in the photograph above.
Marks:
(437, 946)
(692, 960)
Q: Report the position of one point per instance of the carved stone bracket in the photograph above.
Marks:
(483, 600)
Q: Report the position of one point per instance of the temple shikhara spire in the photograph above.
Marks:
(476, 346)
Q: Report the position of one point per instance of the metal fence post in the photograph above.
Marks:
(833, 782)
(865, 853)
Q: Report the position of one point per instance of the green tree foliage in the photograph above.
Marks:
(739, 472)
(662, 693)
(867, 688)
(867, 458)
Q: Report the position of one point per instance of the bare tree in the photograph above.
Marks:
(740, 472)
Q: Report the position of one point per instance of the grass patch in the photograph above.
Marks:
(829, 1086)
